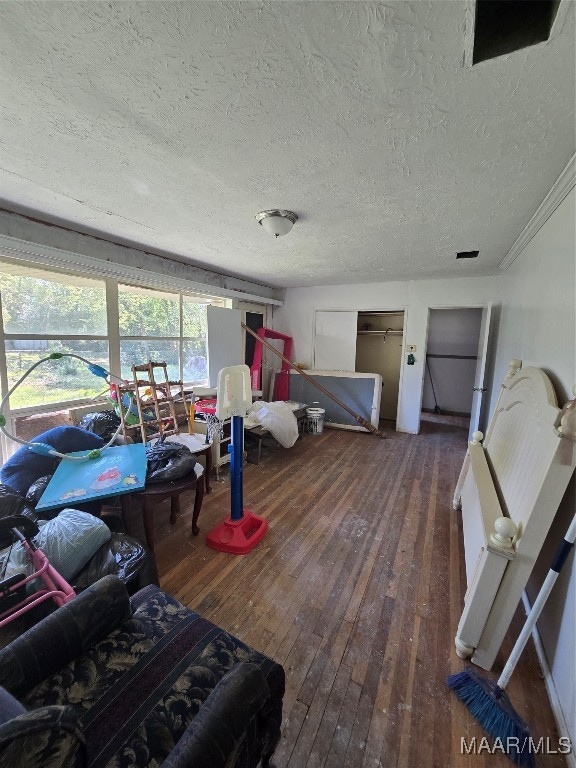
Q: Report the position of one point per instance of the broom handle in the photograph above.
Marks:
(366, 424)
(559, 560)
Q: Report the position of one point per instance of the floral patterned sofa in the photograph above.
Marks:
(109, 680)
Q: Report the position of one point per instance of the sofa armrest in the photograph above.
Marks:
(63, 635)
(213, 737)
(9, 706)
(47, 737)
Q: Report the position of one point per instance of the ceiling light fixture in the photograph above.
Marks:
(277, 222)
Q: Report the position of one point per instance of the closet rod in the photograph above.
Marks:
(380, 333)
(456, 357)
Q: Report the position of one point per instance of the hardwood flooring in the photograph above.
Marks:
(356, 589)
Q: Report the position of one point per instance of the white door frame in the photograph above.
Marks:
(478, 402)
(483, 348)
(249, 306)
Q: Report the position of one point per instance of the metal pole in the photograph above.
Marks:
(236, 469)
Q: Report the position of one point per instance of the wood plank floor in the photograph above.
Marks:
(356, 589)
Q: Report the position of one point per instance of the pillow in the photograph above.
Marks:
(25, 466)
(68, 541)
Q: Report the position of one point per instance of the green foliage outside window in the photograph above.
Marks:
(63, 306)
(36, 306)
(52, 307)
(146, 313)
(54, 380)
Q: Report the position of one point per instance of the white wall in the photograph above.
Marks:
(537, 325)
(296, 318)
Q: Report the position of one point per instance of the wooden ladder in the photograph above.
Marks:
(154, 400)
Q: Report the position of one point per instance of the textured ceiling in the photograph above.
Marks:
(170, 125)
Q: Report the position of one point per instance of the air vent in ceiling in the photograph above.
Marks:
(467, 254)
(504, 26)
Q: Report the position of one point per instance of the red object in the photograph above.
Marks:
(205, 406)
(281, 388)
(237, 537)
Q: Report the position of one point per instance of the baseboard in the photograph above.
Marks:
(550, 687)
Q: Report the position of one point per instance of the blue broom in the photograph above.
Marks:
(487, 701)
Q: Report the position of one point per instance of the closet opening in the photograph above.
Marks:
(454, 366)
(379, 350)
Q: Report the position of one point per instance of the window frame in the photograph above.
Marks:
(112, 337)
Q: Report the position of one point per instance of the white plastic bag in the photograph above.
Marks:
(68, 540)
(278, 418)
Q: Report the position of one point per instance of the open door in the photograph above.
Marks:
(478, 403)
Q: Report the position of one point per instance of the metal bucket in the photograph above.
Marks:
(315, 420)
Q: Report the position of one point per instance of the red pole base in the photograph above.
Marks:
(237, 537)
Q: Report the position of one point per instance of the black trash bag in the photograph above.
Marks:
(12, 506)
(123, 556)
(101, 423)
(168, 461)
(36, 490)
(11, 503)
(34, 494)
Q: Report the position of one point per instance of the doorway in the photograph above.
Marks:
(379, 350)
(254, 316)
(454, 366)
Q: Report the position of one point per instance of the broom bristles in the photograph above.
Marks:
(491, 707)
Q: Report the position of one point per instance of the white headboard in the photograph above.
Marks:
(520, 472)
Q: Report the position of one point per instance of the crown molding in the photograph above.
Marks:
(561, 188)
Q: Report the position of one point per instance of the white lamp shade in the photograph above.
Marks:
(276, 222)
(276, 225)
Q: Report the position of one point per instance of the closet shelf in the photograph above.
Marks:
(380, 314)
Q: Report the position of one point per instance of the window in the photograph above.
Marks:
(52, 313)
(163, 327)
(105, 322)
